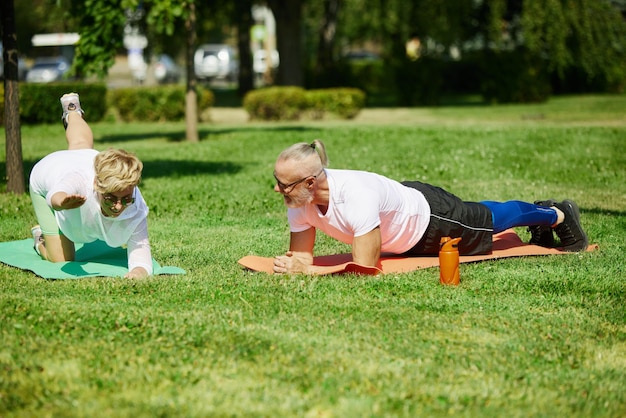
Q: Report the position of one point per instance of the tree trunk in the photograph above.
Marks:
(288, 14)
(15, 166)
(326, 38)
(243, 17)
(191, 95)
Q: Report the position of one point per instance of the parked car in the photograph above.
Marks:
(166, 70)
(48, 69)
(216, 61)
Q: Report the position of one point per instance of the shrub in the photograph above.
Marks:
(39, 103)
(420, 82)
(371, 76)
(275, 103)
(343, 102)
(163, 103)
(514, 77)
(293, 103)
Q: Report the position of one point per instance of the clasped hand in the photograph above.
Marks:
(288, 263)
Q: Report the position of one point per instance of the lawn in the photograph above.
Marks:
(536, 336)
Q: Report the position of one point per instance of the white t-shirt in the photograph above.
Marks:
(359, 202)
(72, 172)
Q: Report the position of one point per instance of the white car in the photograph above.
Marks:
(48, 69)
(216, 61)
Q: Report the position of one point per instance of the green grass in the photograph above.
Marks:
(537, 336)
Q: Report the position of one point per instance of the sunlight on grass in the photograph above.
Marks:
(534, 336)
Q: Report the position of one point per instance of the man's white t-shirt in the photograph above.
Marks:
(359, 202)
(72, 172)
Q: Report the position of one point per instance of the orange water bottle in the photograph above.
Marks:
(449, 261)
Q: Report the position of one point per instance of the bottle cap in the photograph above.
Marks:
(449, 244)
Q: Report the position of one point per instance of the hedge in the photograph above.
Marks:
(163, 103)
(39, 103)
(293, 103)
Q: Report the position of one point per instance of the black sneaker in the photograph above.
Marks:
(570, 232)
(542, 234)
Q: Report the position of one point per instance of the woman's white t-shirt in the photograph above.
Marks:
(361, 201)
(72, 172)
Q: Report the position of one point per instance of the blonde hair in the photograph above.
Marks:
(312, 156)
(116, 170)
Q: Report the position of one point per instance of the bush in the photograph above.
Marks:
(343, 102)
(150, 104)
(293, 103)
(371, 76)
(420, 82)
(514, 77)
(275, 103)
(39, 103)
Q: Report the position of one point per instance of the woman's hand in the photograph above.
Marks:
(64, 201)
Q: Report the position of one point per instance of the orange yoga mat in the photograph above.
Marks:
(505, 244)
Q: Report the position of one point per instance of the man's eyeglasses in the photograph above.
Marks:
(287, 188)
(111, 200)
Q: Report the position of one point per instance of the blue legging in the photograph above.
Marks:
(516, 213)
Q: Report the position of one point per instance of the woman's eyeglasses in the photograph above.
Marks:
(111, 200)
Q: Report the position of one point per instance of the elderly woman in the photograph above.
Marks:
(81, 195)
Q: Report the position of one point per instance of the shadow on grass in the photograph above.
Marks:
(160, 168)
(178, 134)
(599, 211)
(184, 168)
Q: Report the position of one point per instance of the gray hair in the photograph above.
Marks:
(312, 155)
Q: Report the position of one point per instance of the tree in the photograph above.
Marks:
(243, 19)
(590, 34)
(15, 167)
(326, 38)
(102, 24)
(288, 14)
(191, 95)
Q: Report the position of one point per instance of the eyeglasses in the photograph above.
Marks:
(111, 200)
(287, 188)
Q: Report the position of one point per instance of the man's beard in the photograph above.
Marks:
(299, 199)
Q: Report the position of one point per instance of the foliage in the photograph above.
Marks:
(585, 34)
(293, 103)
(343, 102)
(101, 35)
(580, 42)
(42, 16)
(160, 103)
(589, 35)
(163, 103)
(371, 76)
(525, 337)
(39, 103)
(275, 103)
(513, 77)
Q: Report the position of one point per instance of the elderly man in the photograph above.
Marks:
(375, 214)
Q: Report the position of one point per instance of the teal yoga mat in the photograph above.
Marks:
(95, 259)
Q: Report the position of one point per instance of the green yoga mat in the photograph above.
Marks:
(95, 259)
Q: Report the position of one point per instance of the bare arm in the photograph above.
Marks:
(366, 248)
(62, 201)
